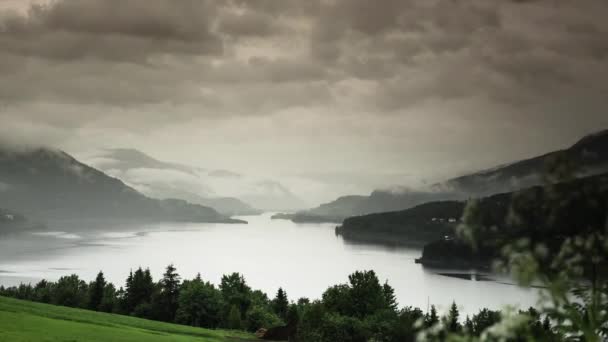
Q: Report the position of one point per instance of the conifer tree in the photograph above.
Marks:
(139, 289)
(453, 324)
(389, 296)
(431, 318)
(280, 304)
(96, 291)
(169, 293)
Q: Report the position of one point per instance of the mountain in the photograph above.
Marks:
(589, 156)
(542, 216)
(228, 192)
(377, 201)
(50, 184)
(163, 188)
(174, 181)
(11, 221)
(125, 158)
(271, 195)
(415, 226)
(583, 203)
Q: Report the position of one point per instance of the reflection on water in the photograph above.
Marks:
(304, 259)
(473, 276)
(61, 235)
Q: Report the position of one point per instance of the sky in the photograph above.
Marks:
(340, 96)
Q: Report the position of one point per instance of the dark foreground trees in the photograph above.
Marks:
(199, 304)
(363, 309)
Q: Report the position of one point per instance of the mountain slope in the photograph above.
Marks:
(584, 201)
(11, 221)
(415, 226)
(588, 156)
(378, 201)
(8, 217)
(159, 179)
(226, 191)
(544, 216)
(46, 183)
(126, 158)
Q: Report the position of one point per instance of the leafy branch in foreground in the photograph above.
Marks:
(555, 238)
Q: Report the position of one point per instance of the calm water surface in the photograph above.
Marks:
(304, 259)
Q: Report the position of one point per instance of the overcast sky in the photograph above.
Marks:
(350, 94)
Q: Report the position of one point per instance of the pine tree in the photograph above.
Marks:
(453, 324)
(147, 285)
(108, 302)
(127, 299)
(169, 293)
(431, 318)
(389, 296)
(96, 291)
(139, 289)
(280, 304)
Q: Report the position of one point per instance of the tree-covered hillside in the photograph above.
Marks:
(588, 154)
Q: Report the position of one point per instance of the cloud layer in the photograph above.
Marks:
(403, 86)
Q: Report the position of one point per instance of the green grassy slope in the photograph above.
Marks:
(28, 321)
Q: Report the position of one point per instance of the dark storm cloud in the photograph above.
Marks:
(421, 50)
(506, 59)
(111, 29)
(250, 24)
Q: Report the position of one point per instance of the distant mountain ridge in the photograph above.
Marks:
(589, 155)
(432, 221)
(124, 160)
(51, 184)
(228, 192)
(127, 158)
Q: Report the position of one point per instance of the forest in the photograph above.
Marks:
(363, 309)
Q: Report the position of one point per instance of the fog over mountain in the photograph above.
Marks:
(49, 184)
(326, 97)
(588, 156)
(219, 189)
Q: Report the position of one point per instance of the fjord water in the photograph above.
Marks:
(304, 259)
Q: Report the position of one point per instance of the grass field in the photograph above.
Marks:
(28, 321)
